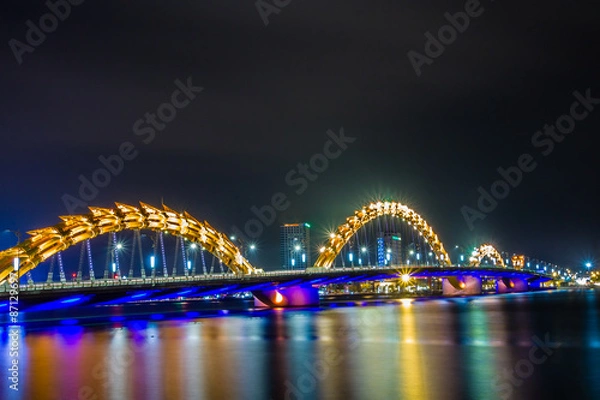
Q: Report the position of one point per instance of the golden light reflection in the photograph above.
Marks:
(120, 357)
(406, 303)
(412, 374)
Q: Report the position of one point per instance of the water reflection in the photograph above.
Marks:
(412, 365)
(440, 349)
(593, 343)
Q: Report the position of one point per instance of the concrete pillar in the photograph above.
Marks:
(461, 285)
(511, 285)
(295, 296)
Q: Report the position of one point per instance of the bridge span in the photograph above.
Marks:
(273, 289)
(158, 254)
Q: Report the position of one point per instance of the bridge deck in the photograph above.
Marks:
(313, 276)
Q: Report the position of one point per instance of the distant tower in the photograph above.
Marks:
(295, 246)
(381, 261)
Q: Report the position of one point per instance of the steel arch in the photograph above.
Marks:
(370, 212)
(74, 229)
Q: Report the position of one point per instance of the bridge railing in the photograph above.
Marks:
(5, 288)
(119, 282)
(42, 286)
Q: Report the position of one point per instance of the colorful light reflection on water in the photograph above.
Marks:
(403, 349)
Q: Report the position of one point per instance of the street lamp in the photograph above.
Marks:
(116, 267)
(252, 248)
(16, 260)
(364, 250)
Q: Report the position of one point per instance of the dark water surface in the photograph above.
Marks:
(543, 345)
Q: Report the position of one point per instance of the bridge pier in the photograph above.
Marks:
(511, 285)
(295, 296)
(461, 285)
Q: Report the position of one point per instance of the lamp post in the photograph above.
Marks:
(364, 250)
(16, 261)
(152, 257)
(252, 249)
(116, 264)
(459, 256)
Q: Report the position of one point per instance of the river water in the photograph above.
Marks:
(541, 345)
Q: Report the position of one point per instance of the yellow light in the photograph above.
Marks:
(406, 303)
(44, 243)
(322, 249)
(405, 278)
(278, 298)
(376, 210)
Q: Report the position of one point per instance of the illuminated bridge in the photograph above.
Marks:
(158, 254)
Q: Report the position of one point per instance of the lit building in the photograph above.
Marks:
(295, 246)
(389, 249)
(381, 252)
(393, 248)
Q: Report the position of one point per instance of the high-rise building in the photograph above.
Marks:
(393, 248)
(380, 251)
(389, 249)
(295, 246)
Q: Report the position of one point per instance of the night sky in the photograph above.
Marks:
(271, 93)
